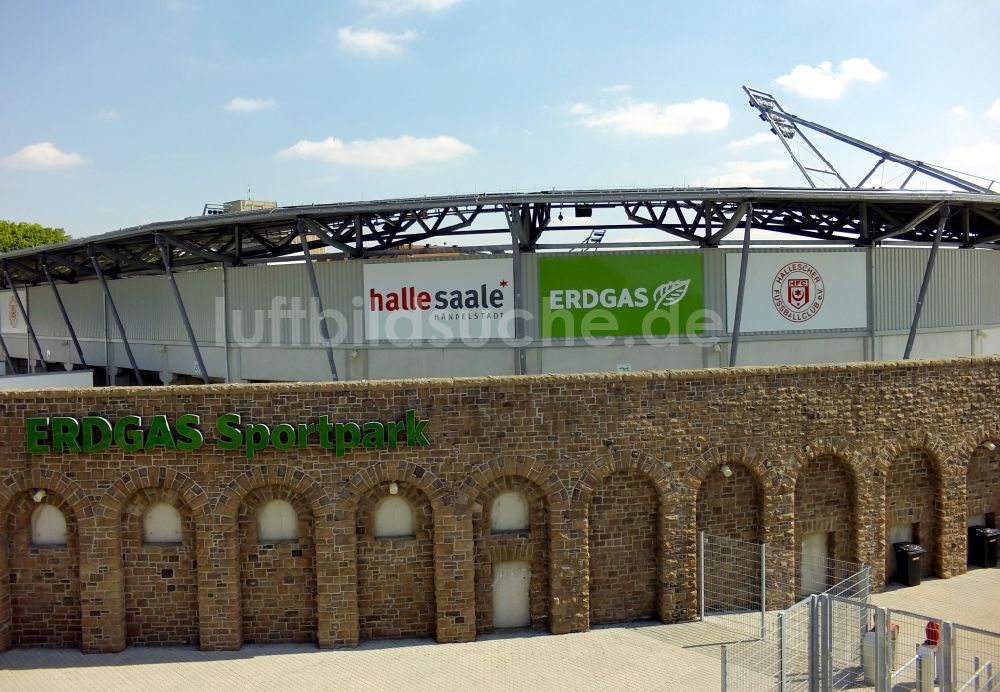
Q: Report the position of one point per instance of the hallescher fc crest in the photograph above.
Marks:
(798, 291)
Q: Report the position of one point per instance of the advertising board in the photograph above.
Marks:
(797, 291)
(439, 300)
(621, 295)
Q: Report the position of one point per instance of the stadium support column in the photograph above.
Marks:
(24, 316)
(161, 243)
(6, 354)
(518, 221)
(65, 315)
(110, 301)
(928, 270)
(324, 328)
(734, 345)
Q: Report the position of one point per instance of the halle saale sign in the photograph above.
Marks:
(93, 434)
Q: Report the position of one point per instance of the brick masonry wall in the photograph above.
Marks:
(396, 574)
(825, 499)
(161, 587)
(530, 546)
(983, 483)
(624, 548)
(44, 580)
(582, 440)
(911, 499)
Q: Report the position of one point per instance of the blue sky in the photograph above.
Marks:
(114, 114)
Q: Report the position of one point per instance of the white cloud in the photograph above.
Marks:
(994, 111)
(823, 82)
(106, 115)
(42, 156)
(745, 173)
(373, 41)
(384, 152)
(617, 88)
(756, 140)
(245, 105)
(648, 119)
(982, 158)
(401, 6)
(958, 111)
(580, 108)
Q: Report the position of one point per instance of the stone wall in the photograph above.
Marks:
(620, 471)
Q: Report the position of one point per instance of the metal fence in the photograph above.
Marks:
(830, 642)
(732, 586)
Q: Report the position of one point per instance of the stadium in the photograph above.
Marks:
(387, 423)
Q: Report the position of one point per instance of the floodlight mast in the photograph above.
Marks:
(786, 126)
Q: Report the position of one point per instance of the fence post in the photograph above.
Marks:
(826, 654)
(763, 590)
(814, 643)
(946, 651)
(782, 653)
(882, 670)
(725, 666)
(701, 575)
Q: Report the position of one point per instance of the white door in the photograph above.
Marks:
(815, 551)
(511, 605)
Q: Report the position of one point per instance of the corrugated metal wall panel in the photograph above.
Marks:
(254, 295)
(147, 308)
(989, 286)
(201, 291)
(952, 296)
(84, 302)
(715, 286)
(529, 292)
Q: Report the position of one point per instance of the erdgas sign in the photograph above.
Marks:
(131, 434)
(446, 300)
(621, 295)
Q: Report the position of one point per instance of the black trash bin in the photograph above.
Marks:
(909, 558)
(983, 546)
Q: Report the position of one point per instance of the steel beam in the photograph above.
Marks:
(928, 270)
(27, 322)
(734, 345)
(65, 315)
(109, 300)
(911, 224)
(161, 243)
(324, 329)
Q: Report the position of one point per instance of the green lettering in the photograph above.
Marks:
(374, 437)
(65, 432)
(189, 436)
(283, 436)
(35, 434)
(258, 436)
(96, 424)
(230, 435)
(415, 430)
(128, 434)
(305, 430)
(394, 429)
(345, 441)
(160, 434)
(324, 432)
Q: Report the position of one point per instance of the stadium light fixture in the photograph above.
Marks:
(726, 471)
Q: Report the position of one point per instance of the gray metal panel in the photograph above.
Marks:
(201, 292)
(953, 296)
(989, 286)
(715, 286)
(147, 308)
(529, 292)
(272, 304)
(84, 303)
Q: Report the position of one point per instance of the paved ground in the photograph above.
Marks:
(642, 657)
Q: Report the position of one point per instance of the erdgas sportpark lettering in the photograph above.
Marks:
(93, 434)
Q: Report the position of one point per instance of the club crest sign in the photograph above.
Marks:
(798, 291)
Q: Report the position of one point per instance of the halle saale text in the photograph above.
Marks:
(93, 434)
